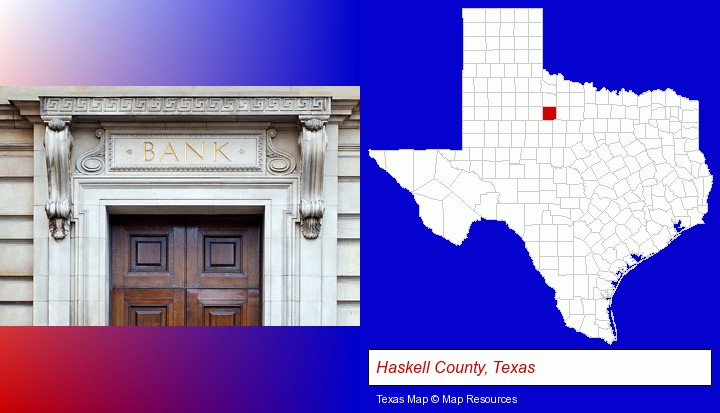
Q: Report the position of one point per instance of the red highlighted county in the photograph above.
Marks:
(549, 113)
(608, 183)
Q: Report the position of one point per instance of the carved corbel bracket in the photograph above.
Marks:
(58, 149)
(313, 141)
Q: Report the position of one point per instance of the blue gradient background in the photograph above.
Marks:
(418, 291)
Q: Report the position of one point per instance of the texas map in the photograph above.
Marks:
(593, 181)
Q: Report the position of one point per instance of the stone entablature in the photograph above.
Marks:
(312, 113)
(135, 106)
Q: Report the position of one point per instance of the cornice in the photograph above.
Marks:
(26, 112)
(346, 113)
(173, 106)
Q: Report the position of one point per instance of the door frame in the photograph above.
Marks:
(182, 232)
(81, 264)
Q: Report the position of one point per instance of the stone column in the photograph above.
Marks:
(58, 147)
(330, 227)
(313, 141)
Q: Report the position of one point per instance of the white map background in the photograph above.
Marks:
(609, 183)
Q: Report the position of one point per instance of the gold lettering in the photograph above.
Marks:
(202, 149)
(216, 150)
(172, 152)
(149, 150)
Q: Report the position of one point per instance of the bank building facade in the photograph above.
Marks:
(179, 206)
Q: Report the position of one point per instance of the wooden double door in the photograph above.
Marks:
(190, 270)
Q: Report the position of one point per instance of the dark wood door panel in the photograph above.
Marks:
(148, 307)
(187, 270)
(223, 307)
(148, 255)
(224, 254)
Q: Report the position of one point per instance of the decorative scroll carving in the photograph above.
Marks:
(279, 162)
(185, 106)
(58, 148)
(92, 162)
(313, 141)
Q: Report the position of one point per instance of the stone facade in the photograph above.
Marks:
(72, 157)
